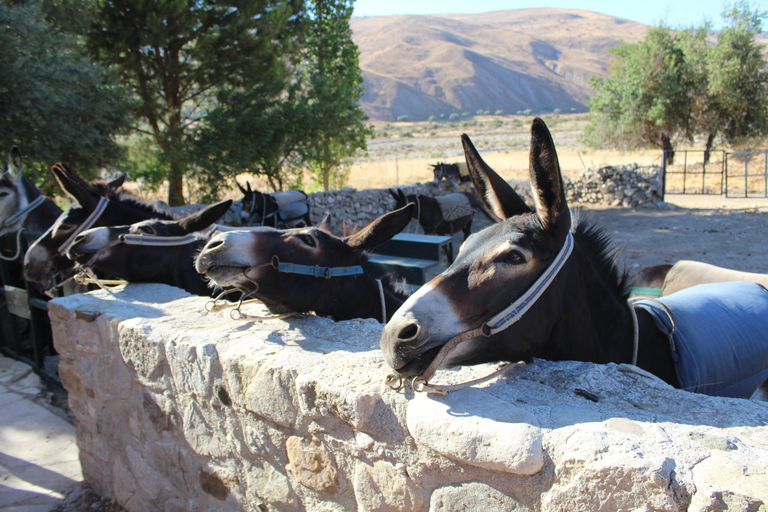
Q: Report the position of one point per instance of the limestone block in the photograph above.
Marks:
(479, 429)
(603, 471)
(385, 487)
(473, 497)
(273, 486)
(746, 484)
(312, 465)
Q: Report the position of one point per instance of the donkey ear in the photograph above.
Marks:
(117, 182)
(240, 187)
(72, 184)
(499, 198)
(325, 223)
(248, 184)
(394, 195)
(546, 180)
(14, 162)
(381, 229)
(204, 217)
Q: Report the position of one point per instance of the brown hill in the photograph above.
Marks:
(538, 59)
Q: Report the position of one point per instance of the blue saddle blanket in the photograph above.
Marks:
(720, 339)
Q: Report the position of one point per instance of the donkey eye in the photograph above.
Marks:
(307, 239)
(513, 258)
(3, 193)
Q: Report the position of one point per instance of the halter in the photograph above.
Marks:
(23, 212)
(19, 216)
(95, 214)
(316, 270)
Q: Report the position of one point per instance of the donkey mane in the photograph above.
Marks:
(602, 253)
(134, 201)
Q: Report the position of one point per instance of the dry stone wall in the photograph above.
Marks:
(626, 186)
(180, 409)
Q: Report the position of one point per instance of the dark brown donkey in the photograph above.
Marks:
(534, 286)
(151, 251)
(45, 259)
(307, 269)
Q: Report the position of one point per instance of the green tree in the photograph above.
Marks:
(307, 116)
(738, 78)
(645, 99)
(335, 86)
(177, 54)
(55, 103)
(252, 129)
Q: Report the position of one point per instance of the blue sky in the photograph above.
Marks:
(672, 12)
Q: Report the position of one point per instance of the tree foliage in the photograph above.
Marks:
(55, 103)
(681, 84)
(645, 99)
(306, 114)
(335, 88)
(177, 54)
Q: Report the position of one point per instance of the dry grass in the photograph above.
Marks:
(402, 153)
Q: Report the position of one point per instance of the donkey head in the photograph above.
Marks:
(494, 268)
(248, 261)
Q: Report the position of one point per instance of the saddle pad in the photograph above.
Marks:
(720, 340)
(686, 273)
(454, 206)
(293, 211)
(288, 197)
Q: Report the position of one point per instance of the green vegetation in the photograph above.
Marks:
(56, 104)
(679, 85)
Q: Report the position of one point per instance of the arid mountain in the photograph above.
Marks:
(538, 59)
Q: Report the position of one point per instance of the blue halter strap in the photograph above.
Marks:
(318, 271)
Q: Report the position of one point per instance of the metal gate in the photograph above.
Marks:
(26, 329)
(733, 174)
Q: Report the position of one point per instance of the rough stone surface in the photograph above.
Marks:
(178, 409)
(628, 186)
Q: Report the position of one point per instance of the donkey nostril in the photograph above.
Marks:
(409, 332)
(214, 244)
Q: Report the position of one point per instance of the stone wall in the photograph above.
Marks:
(180, 409)
(627, 186)
(351, 207)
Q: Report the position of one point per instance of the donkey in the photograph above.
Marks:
(22, 206)
(45, 260)
(533, 285)
(661, 280)
(443, 215)
(307, 269)
(151, 251)
(282, 210)
(452, 173)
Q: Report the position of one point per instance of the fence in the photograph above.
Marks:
(733, 174)
(26, 329)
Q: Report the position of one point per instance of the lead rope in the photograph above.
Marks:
(383, 303)
(635, 332)
(18, 248)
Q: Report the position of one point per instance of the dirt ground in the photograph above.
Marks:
(731, 233)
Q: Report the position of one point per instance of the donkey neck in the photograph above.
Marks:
(360, 297)
(593, 322)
